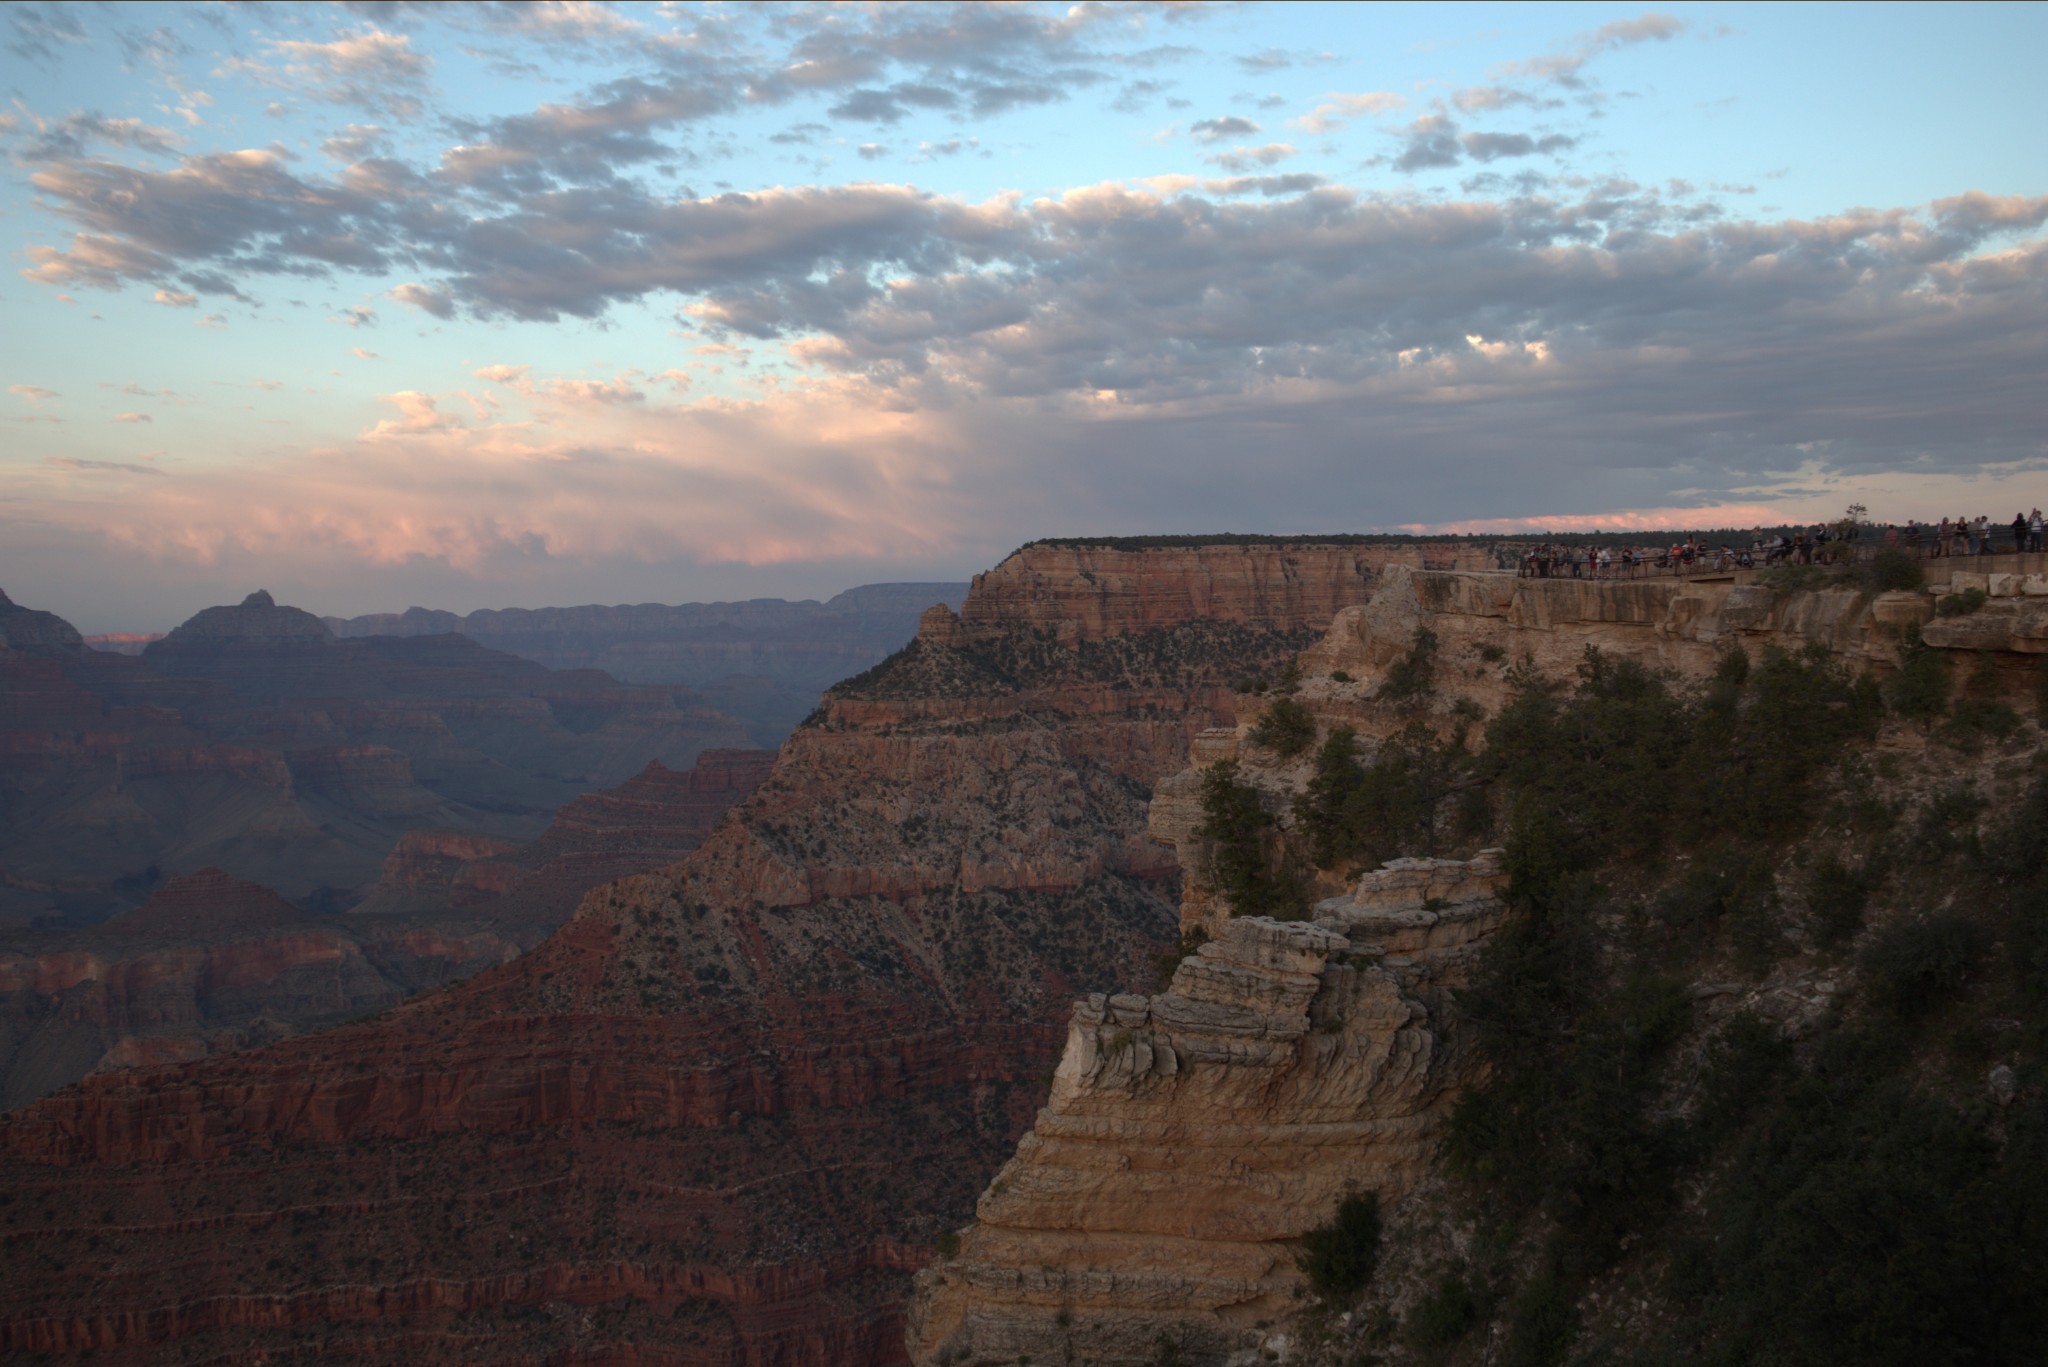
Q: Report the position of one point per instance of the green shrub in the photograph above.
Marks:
(1947, 825)
(1338, 1258)
(1911, 967)
(1859, 1219)
(1892, 568)
(1543, 1321)
(1340, 676)
(1961, 604)
(1919, 691)
(1836, 895)
(1287, 729)
(1412, 678)
(1576, 1041)
(1236, 823)
(1445, 1313)
(1745, 1063)
(1355, 813)
(1971, 721)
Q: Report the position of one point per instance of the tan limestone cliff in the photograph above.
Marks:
(1193, 1136)
(1088, 591)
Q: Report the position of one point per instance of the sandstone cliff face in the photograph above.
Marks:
(722, 1113)
(1192, 1136)
(1087, 592)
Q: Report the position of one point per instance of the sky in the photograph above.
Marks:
(479, 305)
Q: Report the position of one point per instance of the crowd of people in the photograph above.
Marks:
(1822, 543)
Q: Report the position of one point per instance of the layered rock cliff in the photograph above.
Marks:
(1192, 1139)
(1192, 1136)
(724, 1111)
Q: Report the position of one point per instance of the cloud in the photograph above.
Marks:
(34, 393)
(894, 104)
(76, 134)
(1338, 109)
(576, 393)
(112, 467)
(41, 32)
(872, 151)
(133, 417)
(1217, 130)
(426, 299)
(177, 299)
(214, 320)
(1242, 159)
(362, 354)
(1269, 186)
(1563, 68)
(418, 415)
(371, 69)
(1278, 59)
(1493, 146)
(1431, 141)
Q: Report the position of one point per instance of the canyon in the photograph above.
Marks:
(730, 1105)
(735, 1105)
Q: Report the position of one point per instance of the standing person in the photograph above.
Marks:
(2035, 528)
(1941, 535)
(1983, 534)
(2019, 532)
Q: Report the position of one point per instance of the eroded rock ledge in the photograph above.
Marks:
(1192, 1136)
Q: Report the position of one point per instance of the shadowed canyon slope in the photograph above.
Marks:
(765, 660)
(211, 963)
(251, 740)
(724, 1112)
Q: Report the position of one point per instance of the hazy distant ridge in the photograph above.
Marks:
(788, 652)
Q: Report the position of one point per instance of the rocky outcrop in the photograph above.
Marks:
(732, 1102)
(1484, 623)
(1193, 1136)
(1088, 591)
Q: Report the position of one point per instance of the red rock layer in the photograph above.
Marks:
(212, 963)
(718, 1115)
